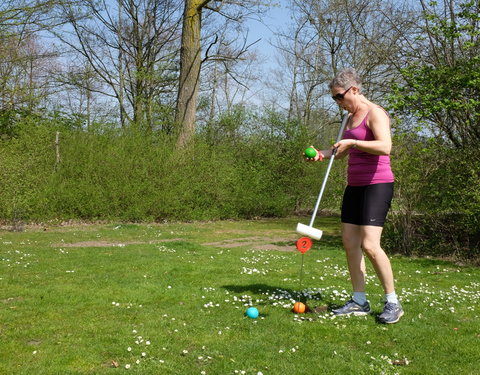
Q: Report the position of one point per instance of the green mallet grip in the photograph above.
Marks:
(310, 152)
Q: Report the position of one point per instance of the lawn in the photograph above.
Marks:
(170, 299)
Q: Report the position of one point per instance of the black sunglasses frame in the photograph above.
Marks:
(342, 95)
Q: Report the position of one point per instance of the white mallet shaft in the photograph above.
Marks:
(309, 230)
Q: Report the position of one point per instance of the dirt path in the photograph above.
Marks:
(255, 242)
(258, 243)
(112, 243)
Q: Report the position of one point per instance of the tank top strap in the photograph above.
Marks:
(365, 120)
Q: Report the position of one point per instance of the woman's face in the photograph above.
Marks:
(343, 96)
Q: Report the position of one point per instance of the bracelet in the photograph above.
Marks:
(355, 144)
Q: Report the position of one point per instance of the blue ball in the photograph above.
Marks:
(252, 312)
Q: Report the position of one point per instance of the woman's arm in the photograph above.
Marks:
(325, 154)
(379, 123)
(321, 154)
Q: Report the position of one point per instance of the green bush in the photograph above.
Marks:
(438, 235)
(437, 200)
(255, 169)
(27, 162)
(108, 173)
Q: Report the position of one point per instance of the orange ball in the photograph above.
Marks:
(299, 308)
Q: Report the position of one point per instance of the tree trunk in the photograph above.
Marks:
(189, 71)
(121, 78)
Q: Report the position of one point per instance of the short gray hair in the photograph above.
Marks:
(346, 78)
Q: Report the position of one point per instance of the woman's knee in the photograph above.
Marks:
(351, 237)
(351, 244)
(372, 249)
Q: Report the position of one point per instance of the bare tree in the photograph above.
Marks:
(190, 54)
(131, 48)
(327, 35)
(25, 62)
(312, 49)
(80, 85)
(429, 52)
(227, 86)
(24, 68)
(229, 70)
(28, 15)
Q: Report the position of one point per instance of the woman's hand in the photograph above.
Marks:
(318, 157)
(342, 147)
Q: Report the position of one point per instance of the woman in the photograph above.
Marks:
(368, 195)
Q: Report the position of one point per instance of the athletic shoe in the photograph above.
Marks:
(392, 312)
(351, 307)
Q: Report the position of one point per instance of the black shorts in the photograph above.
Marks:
(367, 205)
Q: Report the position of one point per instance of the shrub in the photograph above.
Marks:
(437, 200)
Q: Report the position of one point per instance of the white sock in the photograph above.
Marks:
(391, 297)
(360, 297)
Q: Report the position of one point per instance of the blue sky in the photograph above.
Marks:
(276, 17)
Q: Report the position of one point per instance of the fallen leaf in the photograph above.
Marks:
(320, 309)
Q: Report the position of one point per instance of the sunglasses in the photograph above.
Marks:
(342, 95)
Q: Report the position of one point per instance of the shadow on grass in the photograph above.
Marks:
(257, 289)
(284, 294)
(315, 304)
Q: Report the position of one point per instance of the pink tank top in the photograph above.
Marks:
(364, 168)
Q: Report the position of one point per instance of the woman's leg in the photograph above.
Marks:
(358, 304)
(370, 243)
(352, 241)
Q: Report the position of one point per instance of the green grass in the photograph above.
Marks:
(177, 306)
